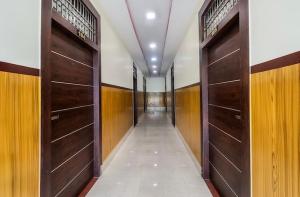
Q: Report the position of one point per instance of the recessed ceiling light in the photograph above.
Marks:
(152, 45)
(155, 71)
(150, 15)
(154, 66)
(153, 59)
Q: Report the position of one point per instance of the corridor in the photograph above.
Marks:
(149, 98)
(153, 162)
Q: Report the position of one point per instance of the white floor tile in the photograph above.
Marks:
(152, 162)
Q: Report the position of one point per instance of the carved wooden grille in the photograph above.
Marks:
(215, 13)
(78, 15)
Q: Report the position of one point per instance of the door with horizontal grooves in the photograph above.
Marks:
(70, 88)
(225, 82)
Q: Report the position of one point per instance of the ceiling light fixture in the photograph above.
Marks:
(154, 66)
(153, 59)
(150, 15)
(155, 71)
(152, 45)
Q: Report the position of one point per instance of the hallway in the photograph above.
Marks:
(160, 98)
(152, 162)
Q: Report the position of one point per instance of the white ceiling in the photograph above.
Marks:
(173, 18)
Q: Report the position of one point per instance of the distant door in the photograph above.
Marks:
(70, 97)
(173, 96)
(145, 94)
(135, 96)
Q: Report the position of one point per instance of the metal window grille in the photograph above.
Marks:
(215, 14)
(78, 15)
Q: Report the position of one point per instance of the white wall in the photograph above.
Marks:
(186, 62)
(155, 84)
(140, 81)
(116, 62)
(20, 34)
(274, 29)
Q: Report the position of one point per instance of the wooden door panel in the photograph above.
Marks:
(231, 174)
(224, 70)
(79, 182)
(67, 147)
(220, 183)
(70, 71)
(79, 118)
(70, 46)
(62, 176)
(225, 45)
(66, 96)
(227, 120)
(229, 147)
(225, 95)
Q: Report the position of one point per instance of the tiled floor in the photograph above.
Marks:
(152, 162)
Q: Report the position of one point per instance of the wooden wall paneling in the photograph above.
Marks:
(20, 135)
(188, 117)
(106, 127)
(156, 100)
(275, 120)
(117, 117)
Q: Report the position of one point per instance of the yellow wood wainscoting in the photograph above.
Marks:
(188, 117)
(117, 117)
(19, 135)
(275, 121)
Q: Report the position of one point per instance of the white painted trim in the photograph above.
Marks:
(114, 152)
(195, 161)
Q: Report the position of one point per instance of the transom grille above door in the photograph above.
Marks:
(78, 15)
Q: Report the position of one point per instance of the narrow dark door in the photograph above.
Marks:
(135, 107)
(225, 75)
(173, 96)
(145, 93)
(70, 101)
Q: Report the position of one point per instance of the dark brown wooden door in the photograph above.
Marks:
(135, 96)
(225, 77)
(72, 118)
(224, 113)
(70, 99)
(173, 96)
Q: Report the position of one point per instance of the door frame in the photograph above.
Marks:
(173, 96)
(46, 28)
(135, 107)
(145, 92)
(243, 15)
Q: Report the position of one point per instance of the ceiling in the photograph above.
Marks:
(167, 30)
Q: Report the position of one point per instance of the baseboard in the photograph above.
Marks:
(195, 161)
(115, 150)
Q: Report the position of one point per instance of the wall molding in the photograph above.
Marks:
(115, 86)
(18, 69)
(189, 86)
(279, 62)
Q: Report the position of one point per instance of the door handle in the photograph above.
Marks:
(56, 117)
(238, 117)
